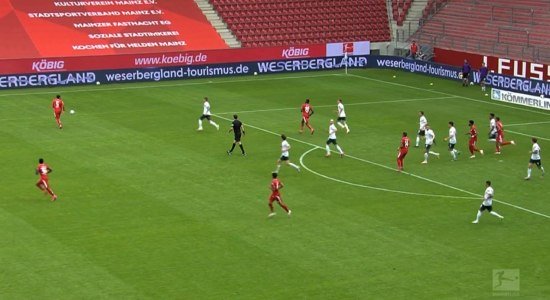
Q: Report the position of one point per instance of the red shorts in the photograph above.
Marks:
(402, 154)
(57, 114)
(305, 118)
(472, 141)
(500, 138)
(275, 196)
(44, 182)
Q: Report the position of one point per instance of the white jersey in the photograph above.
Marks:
(341, 111)
(430, 137)
(285, 146)
(332, 132)
(488, 197)
(492, 126)
(535, 152)
(452, 135)
(423, 122)
(206, 109)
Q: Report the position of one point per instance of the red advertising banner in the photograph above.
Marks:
(505, 66)
(130, 61)
(53, 28)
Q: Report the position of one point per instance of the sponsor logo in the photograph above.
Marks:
(45, 65)
(521, 99)
(496, 94)
(295, 52)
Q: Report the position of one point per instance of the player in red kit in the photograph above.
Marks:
(473, 139)
(58, 108)
(275, 186)
(43, 170)
(403, 149)
(307, 111)
(500, 136)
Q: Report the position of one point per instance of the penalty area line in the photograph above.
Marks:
(392, 169)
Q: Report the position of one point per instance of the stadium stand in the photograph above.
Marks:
(259, 23)
(400, 9)
(502, 27)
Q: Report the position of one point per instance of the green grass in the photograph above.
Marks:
(150, 208)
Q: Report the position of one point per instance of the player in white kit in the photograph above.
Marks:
(430, 138)
(206, 114)
(342, 116)
(535, 159)
(452, 140)
(487, 203)
(492, 128)
(285, 147)
(422, 122)
(332, 139)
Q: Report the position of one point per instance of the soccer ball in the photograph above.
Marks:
(97, 83)
(471, 83)
(255, 73)
(71, 111)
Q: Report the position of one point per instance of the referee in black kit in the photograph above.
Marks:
(238, 129)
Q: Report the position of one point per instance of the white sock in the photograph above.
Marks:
(528, 172)
(346, 126)
(341, 125)
(294, 166)
(278, 168)
(494, 213)
(426, 156)
(213, 123)
(542, 169)
(328, 150)
(200, 123)
(417, 140)
(434, 153)
(339, 149)
(478, 215)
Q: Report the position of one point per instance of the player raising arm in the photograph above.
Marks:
(275, 186)
(307, 111)
(58, 108)
(535, 159)
(43, 170)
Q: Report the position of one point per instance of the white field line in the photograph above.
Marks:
(369, 186)
(334, 105)
(393, 169)
(528, 135)
(530, 123)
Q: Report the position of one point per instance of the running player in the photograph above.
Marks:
(58, 108)
(473, 140)
(402, 151)
(430, 140)
(421, 127)
(285, 147)
(43, 170)
(342, 116)
(535, 159)
(500, 136)
(206, 114)
(275, 186)
(452, 140)
(332, 139)
(238, 129)
(487, 203)
(307, 111)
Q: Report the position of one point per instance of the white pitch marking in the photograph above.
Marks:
(331, 105)
(372, 187)
(389, 168)
(529, 135)
(530, 123)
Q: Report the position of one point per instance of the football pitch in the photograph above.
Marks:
(151, 208)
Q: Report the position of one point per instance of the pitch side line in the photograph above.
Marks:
(528, 135)
(448, 94)
(372, 187)
(389, 168)
(331, 105)
(530, 123)
(164, 85)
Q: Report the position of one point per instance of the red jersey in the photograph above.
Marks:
(57, 105)
(404, 147)
(473, 132)
(500, 128)
(43, 170)
(276, 185)
(306, 109)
